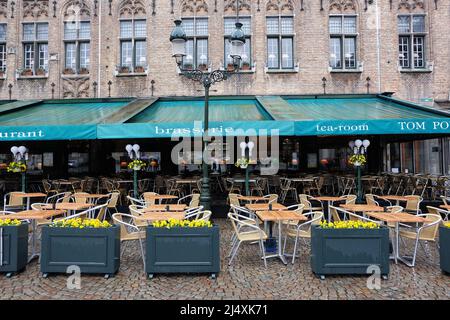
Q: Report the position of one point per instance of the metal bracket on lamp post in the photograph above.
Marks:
(207, 80)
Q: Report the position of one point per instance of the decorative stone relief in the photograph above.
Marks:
(193, 7)
(131, 8)
(76, 88)
(35, 8)
(342, 5)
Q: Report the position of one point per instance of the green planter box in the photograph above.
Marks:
(182, 250)
(13, 248)
(444, 248)
(93, 250)
(349, 251)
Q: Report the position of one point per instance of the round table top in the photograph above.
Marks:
(325, 198)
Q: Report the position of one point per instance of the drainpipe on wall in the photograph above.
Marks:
(377, 12)
(99, 62)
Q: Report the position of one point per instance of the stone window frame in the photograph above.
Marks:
(78, 41)
(342, 36)
(280, 36)
(36, 43)
(195, 39)
(411, 35)
(248, 37)
(134, 39)
(3, 50)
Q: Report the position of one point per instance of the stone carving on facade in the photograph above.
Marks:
(194, 7)
(4, 8)
(411, 4)
(230, 6)
(342, 5)
(35, 8)
(280, 6)
(77, 9)
(131, 8)
(76, 88)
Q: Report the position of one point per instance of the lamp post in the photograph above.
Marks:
(20, 154)
(134, 154)
(246, 152)
(359, 148)
(178, 39)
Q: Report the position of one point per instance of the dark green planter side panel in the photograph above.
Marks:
(93, 250)
(444, 248)
(15, 248)
(349, 251)
(183, 250)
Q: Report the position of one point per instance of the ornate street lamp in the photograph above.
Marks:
(134, 154)
(246, 152)
(178, 39)
(359, 149)
(20, 155)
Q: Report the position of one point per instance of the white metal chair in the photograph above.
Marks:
(426, 233)
(413, 204)
(301, 230)
(126, 235)
(136, 201)
(271, 198)
(136, 211)
(204, 215)
(439, 212)
(246, 230)
(11, 201)
(91, 213)
(306, 201)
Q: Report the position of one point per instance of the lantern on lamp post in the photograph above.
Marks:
(358, 159)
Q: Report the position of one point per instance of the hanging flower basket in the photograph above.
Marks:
(17, 167)
(242, 163)
(137, 165)
(357, 160)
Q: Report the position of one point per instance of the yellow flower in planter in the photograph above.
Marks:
(9, 222)
(174, 223)
(447, 224)
(81, 223)
(349, 224)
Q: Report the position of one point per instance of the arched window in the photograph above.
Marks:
(280, 34)
(342, 26)
(133, 37)
(412, 32)
(195, 24)
(77, 36)
(229, 26)
(35, 37)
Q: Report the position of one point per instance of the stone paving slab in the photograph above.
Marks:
(245, 279)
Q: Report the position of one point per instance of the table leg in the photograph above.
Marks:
(328, 209)
(280, 253)
(28, 203)
(34, 253)
(396, 247)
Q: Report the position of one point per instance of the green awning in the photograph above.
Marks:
(55, 119)
(229, 116)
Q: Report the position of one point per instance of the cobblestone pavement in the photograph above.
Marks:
(245, 279)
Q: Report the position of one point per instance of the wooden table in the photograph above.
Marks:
(69, 206)
(362, 207)
(29, 195)
(278, 216)
(158, 216)
(33, 215)
(252, 198)
(445, 206)
(329, 201)
(161, 197)
(397, 199)
(92, 197)
(163, 207)
(264, 206)
(397, 218)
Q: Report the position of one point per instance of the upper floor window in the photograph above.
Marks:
(280, 42)
(411, 46)
(246, 58)
(77, 45)
(3, 29)
(197, 43)
(343, 37)
(35, 47)
(133, 45)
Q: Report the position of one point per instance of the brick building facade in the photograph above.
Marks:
(97, 48)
